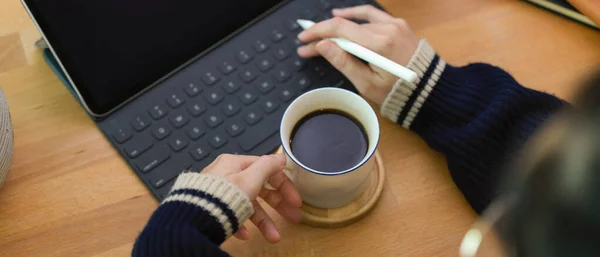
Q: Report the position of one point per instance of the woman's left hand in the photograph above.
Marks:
(250, 173)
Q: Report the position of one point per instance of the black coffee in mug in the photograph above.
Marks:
(329, 141)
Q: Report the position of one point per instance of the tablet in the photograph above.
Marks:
(113, 50)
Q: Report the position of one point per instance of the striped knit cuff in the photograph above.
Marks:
(404, 101)
(223, 200)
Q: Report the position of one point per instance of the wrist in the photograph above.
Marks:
(405, 99)
(224, 201)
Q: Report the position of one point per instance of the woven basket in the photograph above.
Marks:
(6, 139)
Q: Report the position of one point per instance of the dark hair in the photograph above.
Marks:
(556, 208)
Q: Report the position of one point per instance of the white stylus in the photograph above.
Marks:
(368, 55)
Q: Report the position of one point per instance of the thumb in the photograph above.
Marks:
(356, 71)
(260, 171)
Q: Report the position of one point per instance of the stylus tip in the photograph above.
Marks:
(305, 24)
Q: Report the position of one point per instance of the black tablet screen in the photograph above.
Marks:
(112, 49)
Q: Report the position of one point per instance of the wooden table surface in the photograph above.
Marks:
(69, 193)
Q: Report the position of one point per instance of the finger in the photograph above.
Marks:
(285, 187)
(257, 174)
(364, 12)
(357, 72)
(277, 202)
(308, 51)
(226, 164)
(242, 233)
(381, 29)
(263, 222)
(337, 27)
(291, 213)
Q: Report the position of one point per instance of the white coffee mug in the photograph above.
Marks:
(330, 189)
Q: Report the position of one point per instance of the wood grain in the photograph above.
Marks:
(69, 194)
(11, 52)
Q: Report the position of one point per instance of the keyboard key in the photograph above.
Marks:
(325, 16)
(286, 94)
(340, 84)
(199, 151)
(196, 108)
(192, 89)
(152, 158)
(320, 70)
(122, 135)
(282, 75)
(265, 86)
(210, 78)
(257, 134)
(252, 116)
(140, 122)
(235, 128)
(324, 4)
(231, 148)
(214, 96)
(226, 67)
(260, 46)
(269, 105)
(162, 178)
(248, 96)
(178, 143)
(213, 120)
(247, 75)
(281, 53)
(217, 140)
(243, 56)
(179, 119)
(159, 182)
(195, 131)
(342, 5)
(231, 86)
(276, 35)
(165, 189)
(292, 25)
(302, 83)
(297, 42)
(298, 64)
(138, 145)
(161, 131)
(308, 14)
(264, 64)
(230, 108)
(175, 100)
(165, 175)
(157, 111)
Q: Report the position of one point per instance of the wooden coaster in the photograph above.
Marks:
(346, 215)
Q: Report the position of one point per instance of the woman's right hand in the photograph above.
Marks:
(391, 37)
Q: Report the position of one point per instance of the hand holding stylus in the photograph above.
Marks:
(388, 37)
(368, 55)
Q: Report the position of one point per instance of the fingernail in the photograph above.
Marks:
(300, 50)
(272, 235)
(281, 158)
(334, 10)
(301, 35)
(245, 234)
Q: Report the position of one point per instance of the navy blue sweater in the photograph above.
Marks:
(478, 116)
